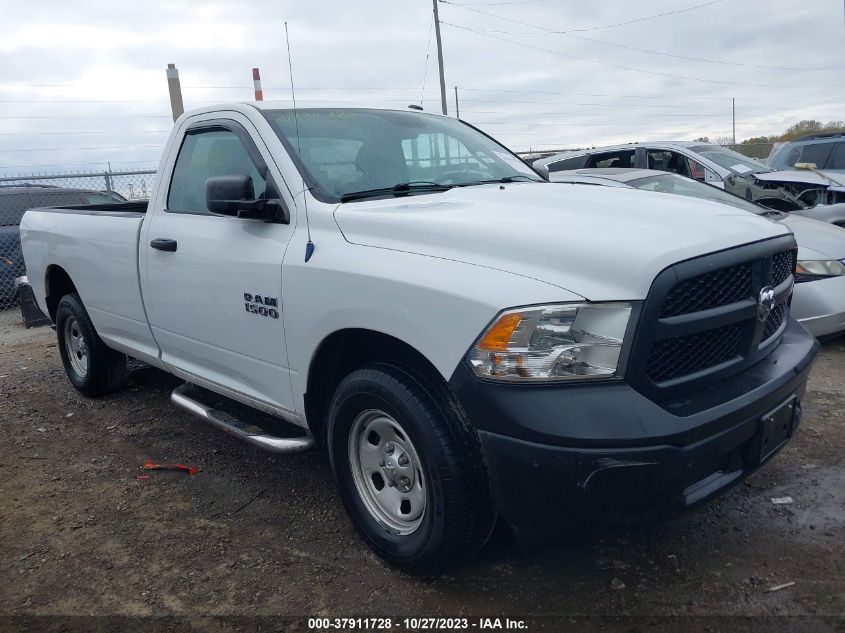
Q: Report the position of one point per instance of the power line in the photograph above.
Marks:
(80, 101)
(583, 123)
(664, 96)
(99, 162)
(590, 94)
(121, 132)
(427, 55)
(585, 104)
(496, 4)
(90, 116)
(76, 149)
(621, 67)
(613, 26)
(599, 114)
(548, 31)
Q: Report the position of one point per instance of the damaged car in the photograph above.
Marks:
(705, 162)
(806, 191)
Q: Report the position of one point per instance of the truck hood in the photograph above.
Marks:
(598, 242)
(816, 239)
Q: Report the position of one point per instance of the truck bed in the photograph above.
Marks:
(96, 245)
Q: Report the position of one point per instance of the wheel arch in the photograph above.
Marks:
(346, 350)
(57, 284)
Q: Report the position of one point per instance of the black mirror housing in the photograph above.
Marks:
(234, 196)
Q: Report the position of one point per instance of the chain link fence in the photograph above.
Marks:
(20, 193)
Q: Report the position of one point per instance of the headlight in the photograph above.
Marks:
(815, 269)
(570, 341)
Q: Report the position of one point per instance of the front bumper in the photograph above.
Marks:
(561, 456)
(820, 305)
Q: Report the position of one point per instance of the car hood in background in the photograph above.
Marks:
(601, 243)
(802, 175)
(816, 240)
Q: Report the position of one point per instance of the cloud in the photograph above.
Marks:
(90, 74)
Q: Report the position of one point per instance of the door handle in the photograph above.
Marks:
(163, 244)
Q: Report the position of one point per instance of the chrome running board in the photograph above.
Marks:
(183, 398)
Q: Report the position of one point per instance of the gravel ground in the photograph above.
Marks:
(259, 535)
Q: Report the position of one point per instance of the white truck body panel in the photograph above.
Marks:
(540, 232)
(100, 254)
(219, 258)
(430, 270)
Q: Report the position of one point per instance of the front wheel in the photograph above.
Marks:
(408, 467)
(91, 367)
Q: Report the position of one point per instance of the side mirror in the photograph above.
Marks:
(235, 196)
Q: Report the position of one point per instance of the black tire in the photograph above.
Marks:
(106, 368)
(458, 516)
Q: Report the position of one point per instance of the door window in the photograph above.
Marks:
(815, 153)
(203, 155)
(620, 159)
(697, 170)
(837, 161)
(675, 163)
(567, 163)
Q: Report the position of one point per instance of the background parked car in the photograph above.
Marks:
(713, 164)
(825, 151)
(821, 192)
(14, 202)
(819, 298)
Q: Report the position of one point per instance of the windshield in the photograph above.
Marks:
(344, 151)
(817, 154)
(730, 159)
(672, 183)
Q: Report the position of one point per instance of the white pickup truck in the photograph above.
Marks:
(467, 340)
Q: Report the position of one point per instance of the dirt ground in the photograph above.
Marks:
(260, 535)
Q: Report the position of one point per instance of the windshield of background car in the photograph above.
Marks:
(817, 154)
(730, 159)
(342, 151)
(671, 183)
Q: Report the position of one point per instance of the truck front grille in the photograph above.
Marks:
(688, 354)
(710, 290)
(774, 321)
(783, 265)
(702, 320)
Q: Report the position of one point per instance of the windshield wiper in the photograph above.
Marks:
(402, 189)
(505, 180)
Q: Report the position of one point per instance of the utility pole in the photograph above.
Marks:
(733, 112)
(175, 88)
(457, 106)
(440, 57)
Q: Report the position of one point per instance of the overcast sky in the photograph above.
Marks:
(84, 82)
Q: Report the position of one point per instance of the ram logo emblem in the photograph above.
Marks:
(261, 305)
(766, 303)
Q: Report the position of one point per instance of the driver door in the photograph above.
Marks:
(213, 284)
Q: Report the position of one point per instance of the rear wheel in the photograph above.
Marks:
(408, 467)
(92, 368)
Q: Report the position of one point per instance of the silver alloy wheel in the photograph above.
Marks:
(76, 347)
(387, 472)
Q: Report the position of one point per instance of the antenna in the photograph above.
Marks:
(309, 246)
